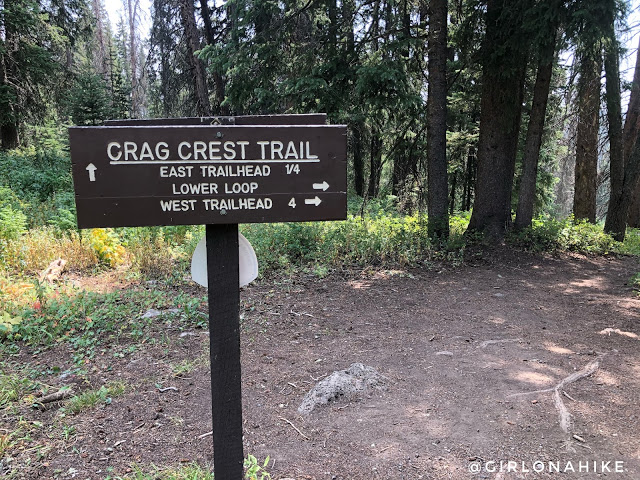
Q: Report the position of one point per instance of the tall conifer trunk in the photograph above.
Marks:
(533, 142)
(200, 90)
(437, 195)
(629, 135)
(504, 66)
(586, 173)
(375, 167)
(133, 7)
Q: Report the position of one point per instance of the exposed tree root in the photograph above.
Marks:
(486, 343)
(609, 331)
(563, 412)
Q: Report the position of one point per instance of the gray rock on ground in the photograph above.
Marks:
(342, 384)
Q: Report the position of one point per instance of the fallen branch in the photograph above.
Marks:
(42, 402)
(294, 427)
(208, 434)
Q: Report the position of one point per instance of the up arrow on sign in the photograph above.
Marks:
(91, 168)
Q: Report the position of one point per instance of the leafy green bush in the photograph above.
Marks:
(85, 320)
(631, 245)
(368, 240)
(41, 179)
(13, 223)
(106, 245)
(549, 235)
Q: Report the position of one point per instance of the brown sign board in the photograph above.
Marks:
(208, 174)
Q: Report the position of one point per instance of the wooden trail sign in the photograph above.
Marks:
(217, 171)
(186, 175)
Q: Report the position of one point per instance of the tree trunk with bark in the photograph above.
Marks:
(133, 7)
(629, 135)
(375, 168)
(533, 142)
(358, 159)
(469, 180)
(617, 212)
(437, 183)
(9, 137)
(586, 173)
(500, 114)
(101, 60)
(200, 90)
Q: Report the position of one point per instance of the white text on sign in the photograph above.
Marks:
(200, 151)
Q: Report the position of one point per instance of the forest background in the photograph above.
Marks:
(466, 119)
(469, 121)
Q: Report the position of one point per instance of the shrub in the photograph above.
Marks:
(106, 245)
(151, 255)
(13, 223)
(548, 234)
(35, 250)
(40, 178)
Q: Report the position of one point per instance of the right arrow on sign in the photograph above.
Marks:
(312, 201)
(321, 186)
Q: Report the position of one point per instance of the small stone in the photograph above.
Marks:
(151, 313)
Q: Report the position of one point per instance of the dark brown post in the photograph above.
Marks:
(224, 335)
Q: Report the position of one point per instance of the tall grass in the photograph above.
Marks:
(374, 239)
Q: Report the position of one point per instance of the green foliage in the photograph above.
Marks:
(28, 47)
(191, 471)
(14, 386)
(42, 182)
(550, 235)
(13, 223)
(382, 238)
(86, 320)
(107, 246)
(92, 398)
(254, 470)
(88, 101)
(7, 323)
(631, 245)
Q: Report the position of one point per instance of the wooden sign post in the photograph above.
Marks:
(217, 171)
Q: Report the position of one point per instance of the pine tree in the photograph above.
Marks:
(27, 66)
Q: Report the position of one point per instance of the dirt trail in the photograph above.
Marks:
(460, 348)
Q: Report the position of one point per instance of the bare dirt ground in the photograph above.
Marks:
(507, 358)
